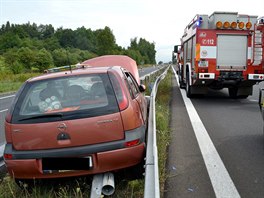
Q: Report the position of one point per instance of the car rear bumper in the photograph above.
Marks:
(104, 157)
(101, 162)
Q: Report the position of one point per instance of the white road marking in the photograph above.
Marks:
(7, 97)
(221, 181)
(253, 100)
(1, 111)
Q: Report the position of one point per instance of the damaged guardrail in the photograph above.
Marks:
(152, 189)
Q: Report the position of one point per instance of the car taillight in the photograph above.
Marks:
(119, 91)
(132, 143)
(122, 104)
(8, 156)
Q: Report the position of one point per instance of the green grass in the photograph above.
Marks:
(11, 82)
(162, 125)
(77, 188)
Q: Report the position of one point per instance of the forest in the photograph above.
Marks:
(34, 48)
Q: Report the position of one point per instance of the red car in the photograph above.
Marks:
(77, 122)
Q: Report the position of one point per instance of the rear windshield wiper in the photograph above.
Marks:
(43, 116)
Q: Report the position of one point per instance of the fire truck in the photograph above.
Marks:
(223, 50)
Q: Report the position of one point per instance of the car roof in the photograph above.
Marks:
(73, 72)
(115, 60)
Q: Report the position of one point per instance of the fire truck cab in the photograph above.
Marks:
(223, 50)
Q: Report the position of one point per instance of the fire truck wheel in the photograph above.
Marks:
(181, 84)
(232, 92)
(243, 96)
(188, 87)
(180, 79)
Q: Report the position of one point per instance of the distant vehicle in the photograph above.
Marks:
(223, 50)
(77, 122)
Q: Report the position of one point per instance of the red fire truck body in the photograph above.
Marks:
(223, 50)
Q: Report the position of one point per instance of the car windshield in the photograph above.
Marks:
(68, 94)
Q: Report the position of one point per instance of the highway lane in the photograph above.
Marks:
(235, 128)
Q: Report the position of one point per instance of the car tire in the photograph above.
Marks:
(188, 86)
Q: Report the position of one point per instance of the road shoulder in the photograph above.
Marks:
(187, 174)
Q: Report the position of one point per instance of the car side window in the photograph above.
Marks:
(132, 85)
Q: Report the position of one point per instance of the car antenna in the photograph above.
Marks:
(69, 61)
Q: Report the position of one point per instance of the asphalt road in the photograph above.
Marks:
(235, 128)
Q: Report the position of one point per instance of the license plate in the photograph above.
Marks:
(66, 164)
(203, 63)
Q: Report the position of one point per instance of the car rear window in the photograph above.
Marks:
(65, 98)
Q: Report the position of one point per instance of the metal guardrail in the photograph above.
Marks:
(142, 78)
(2, 147)
(152, 189)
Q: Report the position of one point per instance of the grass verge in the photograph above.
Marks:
(162, 125)
(11, 82)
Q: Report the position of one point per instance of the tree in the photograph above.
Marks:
(134, 54)
(60, 57)
(105, 41)
(26, 57)
(43, 60)
(85, 55)
(66, 37)
(25, 46)
(81, 39)
(11, 59)
(46, 31)
(16, 68)
(134, 43)
(51, 43)
(32, 30)
(9, 40)
(145, 48)
(11, 56)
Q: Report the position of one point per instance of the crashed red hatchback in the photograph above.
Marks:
(77, 122)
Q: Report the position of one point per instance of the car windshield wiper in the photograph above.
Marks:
(43, 116)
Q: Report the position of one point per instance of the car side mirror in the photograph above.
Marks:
(142, 88)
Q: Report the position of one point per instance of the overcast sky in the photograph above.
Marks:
(159, 21)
